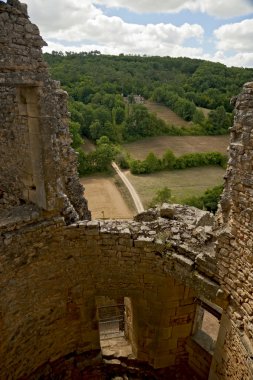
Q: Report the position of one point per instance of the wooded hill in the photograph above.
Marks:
(97, 82)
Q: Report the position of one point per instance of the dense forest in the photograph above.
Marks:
(101, 89)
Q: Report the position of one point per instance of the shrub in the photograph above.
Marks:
(208, 201)
(152, 164)
(162, 195)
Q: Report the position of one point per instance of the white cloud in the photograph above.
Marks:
(61, 15)
(234, 43)
(84, 26)
(238, 60)
(225, 9)
(78, 25)
(218, 8)
(237, 37)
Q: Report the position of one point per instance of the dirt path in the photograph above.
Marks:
(104, 198)
(131, 189)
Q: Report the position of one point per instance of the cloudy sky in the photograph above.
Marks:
(218, 30)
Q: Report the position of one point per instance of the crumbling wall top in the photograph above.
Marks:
(21, 43)
(37, 162)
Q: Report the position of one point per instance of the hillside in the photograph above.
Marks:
(207, 84)
(165, 113)
(102, 89)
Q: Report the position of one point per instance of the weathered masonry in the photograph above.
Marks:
(176, 268)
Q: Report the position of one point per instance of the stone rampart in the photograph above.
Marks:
(51, 274)
(54, 262)
(37, 162)
(235, 245)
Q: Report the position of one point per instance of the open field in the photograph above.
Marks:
(178, 144)
(183, 183)
(165, 113)
(105, 200)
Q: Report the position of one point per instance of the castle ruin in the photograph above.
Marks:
(172, 265)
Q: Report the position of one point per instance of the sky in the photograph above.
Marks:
(217, 30)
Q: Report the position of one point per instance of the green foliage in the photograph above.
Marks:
(96, 82)
(179, 104)
(152, 164)
(191, 160)
(208, 201)
(185, 108)
(218, 121)
(141, 123)
(98, 160)
(163, 195)
(168, 159)
(198, 117)
(74, 128)
(123, 159)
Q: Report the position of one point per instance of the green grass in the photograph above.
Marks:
(183, 183)
(178, 144)
(166, 114)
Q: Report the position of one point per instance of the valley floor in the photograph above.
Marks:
(104, 198)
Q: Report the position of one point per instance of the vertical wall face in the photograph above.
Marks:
(31, 168)
(235, 246)
(37, 163)
(51, 275)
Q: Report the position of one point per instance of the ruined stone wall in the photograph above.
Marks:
(235, 243)
(37, 163)
(51, 274)
(52, 265)
(232, 359)
(199, 359)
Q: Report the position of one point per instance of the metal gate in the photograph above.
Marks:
(111, 321)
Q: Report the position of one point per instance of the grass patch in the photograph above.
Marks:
(166, 114)
(183, 184)
(178, 144)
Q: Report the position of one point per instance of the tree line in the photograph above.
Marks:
(169, 161)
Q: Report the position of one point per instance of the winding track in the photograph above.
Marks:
(137, 202)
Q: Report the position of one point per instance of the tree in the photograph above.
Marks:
(95, 130)
(198, 117)
(163, 195)
(152, 163)
(168, 159)
(98, 160)
(74, 128)
(208, 201)
(118, 115)
(104, 155)
(218, 121)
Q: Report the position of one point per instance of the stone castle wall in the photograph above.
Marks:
(51, 274)
(235, 245)
(37, 163)
(53, 263)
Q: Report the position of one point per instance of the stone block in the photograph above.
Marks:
(182, 331)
